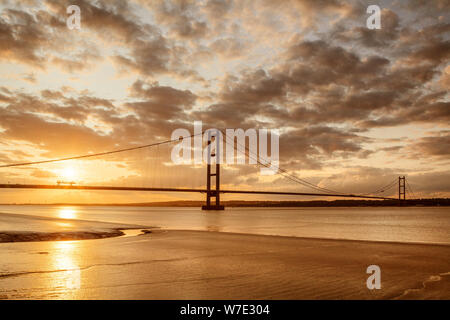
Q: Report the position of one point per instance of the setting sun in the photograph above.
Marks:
(69, 173)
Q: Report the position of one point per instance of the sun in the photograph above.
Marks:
(69, 173)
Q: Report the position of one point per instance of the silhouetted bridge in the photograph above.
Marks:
(212, 192)
(209, 190)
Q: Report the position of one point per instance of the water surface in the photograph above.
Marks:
(397, 224)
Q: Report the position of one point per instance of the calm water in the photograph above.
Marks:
(417, 224)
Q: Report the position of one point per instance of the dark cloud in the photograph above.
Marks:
(433, 51)
(320, 143)
(339, 85)
(389, 32)
(147, 57)
(160, 102)
(111, 20)
(21, 36)
(432, 146)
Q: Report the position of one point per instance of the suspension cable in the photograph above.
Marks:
(97, 154)
(284, 172)
(410, 189)
(302, 181)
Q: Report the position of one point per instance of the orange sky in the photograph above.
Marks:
(356, 107)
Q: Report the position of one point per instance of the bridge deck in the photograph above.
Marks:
(111, 188)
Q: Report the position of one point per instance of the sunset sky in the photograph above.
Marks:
(356, 108)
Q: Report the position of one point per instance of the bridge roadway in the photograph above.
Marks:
(110, 188)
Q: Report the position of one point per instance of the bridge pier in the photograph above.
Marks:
(402, 188)
(213, 193)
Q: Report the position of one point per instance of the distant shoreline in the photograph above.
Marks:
(433, 202)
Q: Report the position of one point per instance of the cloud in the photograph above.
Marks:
(146, 57)
(160, 102)
(430, 184)
(21, 36)
(57, 138)
(389, 32)
(432, 146)
(315, 145)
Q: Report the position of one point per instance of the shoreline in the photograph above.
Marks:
(29, 228)
(10, 237)
(27, 236)
(314, 238)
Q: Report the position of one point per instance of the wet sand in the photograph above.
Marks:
(26, 228)
(214, 265)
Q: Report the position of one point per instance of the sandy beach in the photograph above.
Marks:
(215, 265)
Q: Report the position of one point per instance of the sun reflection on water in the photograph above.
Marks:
(64, 224)
(67, 213)
(65, 261)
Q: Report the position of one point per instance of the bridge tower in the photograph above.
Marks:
(401, 188)
(213, 193)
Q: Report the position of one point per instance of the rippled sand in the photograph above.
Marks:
(213, 265)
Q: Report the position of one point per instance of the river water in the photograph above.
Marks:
(396, 224)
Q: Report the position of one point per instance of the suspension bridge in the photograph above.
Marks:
(213, 190)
